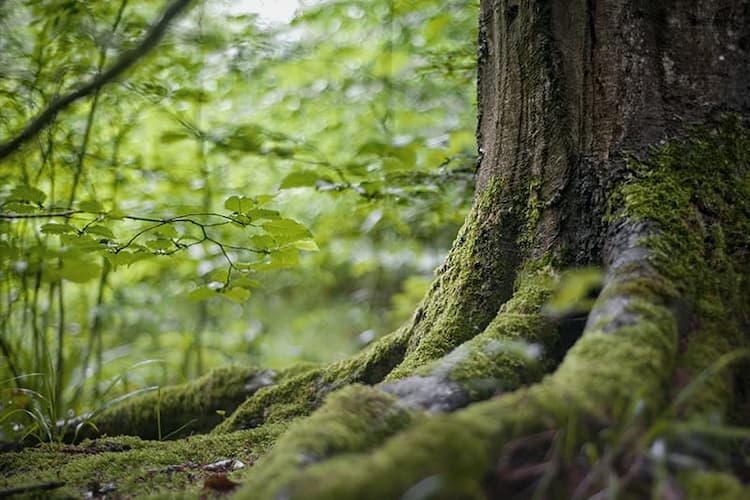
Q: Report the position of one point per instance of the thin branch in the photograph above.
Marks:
(126, 60)
(66, 213)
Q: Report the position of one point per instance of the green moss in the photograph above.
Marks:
(440, 458)
(509, 352)
(458, 449)
(299, 394)
(713, 486)
(534, 207)
(354, 419)
(183, 409)
(706, 346)
(135, 468)
(473, 282)
(697, 193)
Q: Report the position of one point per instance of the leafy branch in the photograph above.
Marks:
(274, 236)
(124, 62)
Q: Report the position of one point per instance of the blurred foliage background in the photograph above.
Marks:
(251, 192)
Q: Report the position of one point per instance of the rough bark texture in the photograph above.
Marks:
(612, 133)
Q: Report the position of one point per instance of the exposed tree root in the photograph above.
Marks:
(628, 351)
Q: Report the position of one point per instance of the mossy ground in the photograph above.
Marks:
(131, 467)
(639, 406)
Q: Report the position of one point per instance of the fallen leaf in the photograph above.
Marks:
(219, 482)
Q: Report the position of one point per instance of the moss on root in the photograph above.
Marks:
(181, 410)
(471, 285)
(461, 303)
(714, 486)
(696, 191)
(300, 394)
(512, 350)
(353, 420)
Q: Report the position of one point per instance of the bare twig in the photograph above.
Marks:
(126, 60)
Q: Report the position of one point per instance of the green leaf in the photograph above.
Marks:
(300, 178)
(263, 199)
(372, 188)
(308, 245)
(405, 156)
(159, 244)
(172, 136)
(281, 259)
(372, 148)
(53, 228)
(246, 139)
(191, 94)
(237, 295)
(246, 282)
(125, 258)
(262, 213)
(434, 29)
(282, 152)
(100, 230)
(201, 293)
(286, 230)
(262, 242)
(81, 243)
(121, 258)
(577, 291)
(79, 271)
(90, 206)
(239, 204)
(19, 208)
(167, 231)
(24, 192)
(218, 275)
(462, 140)
(246, 266)
(393, 164)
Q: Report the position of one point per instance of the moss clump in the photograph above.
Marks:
(299, 394)
(130, 466)
(352, 420)
(441, 457)
(183, 409)
(509, 352)
(714, 486)
(473, 282)
(696, 192)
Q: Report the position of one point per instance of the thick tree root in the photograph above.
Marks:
(616, 362)
(178, 411)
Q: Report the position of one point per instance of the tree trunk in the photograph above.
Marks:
(612, 134)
